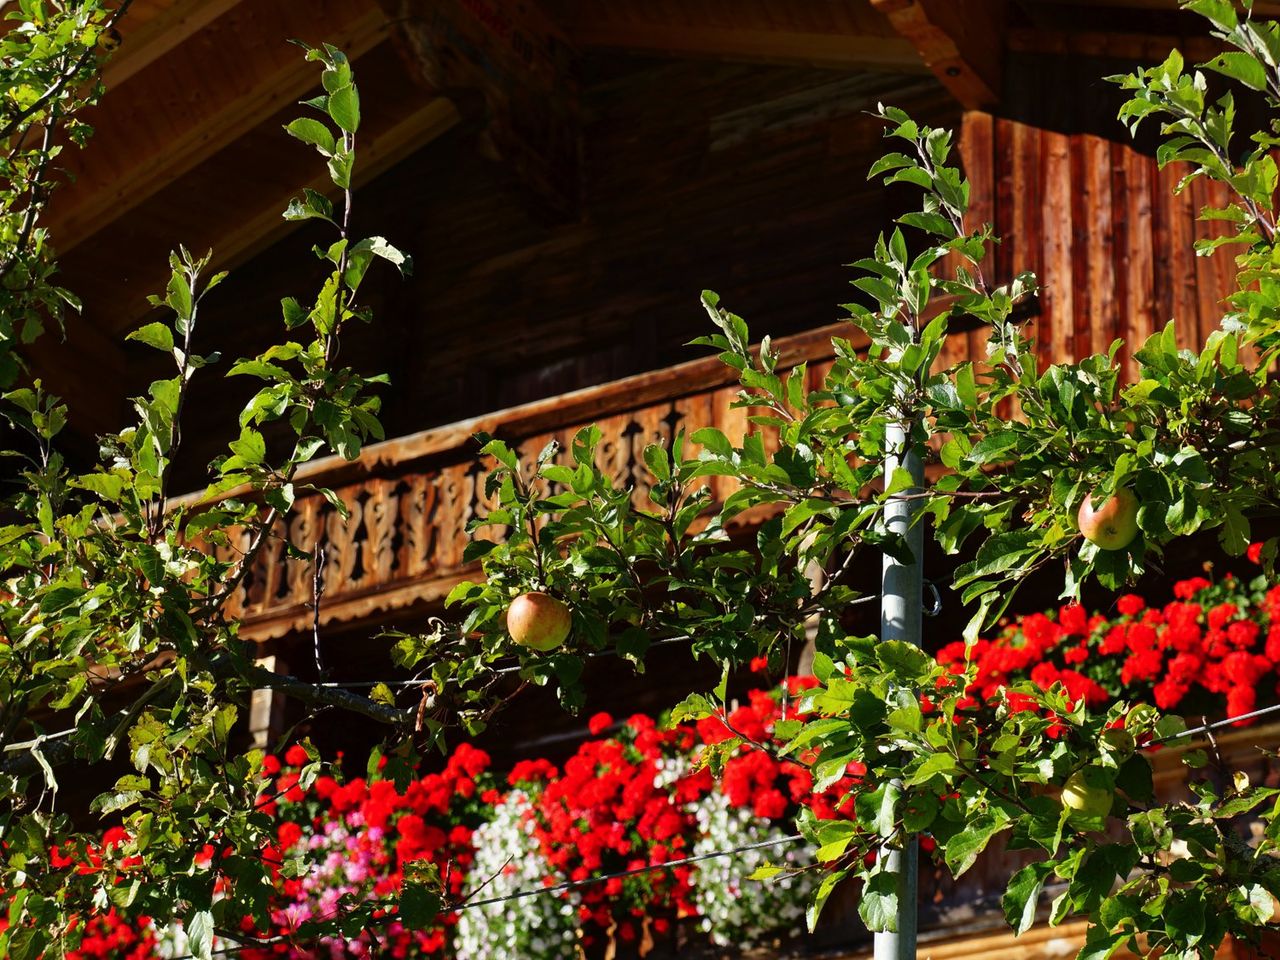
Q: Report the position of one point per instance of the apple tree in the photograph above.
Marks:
(1064, 467)
(117, 653)
(116, 650)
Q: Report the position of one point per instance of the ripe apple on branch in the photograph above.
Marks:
(538, 621)
(1114, 524)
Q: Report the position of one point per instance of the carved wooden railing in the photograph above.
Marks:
(411, 498)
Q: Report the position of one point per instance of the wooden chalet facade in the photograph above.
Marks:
(568, 175)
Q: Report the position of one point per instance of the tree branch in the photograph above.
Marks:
(59, 750)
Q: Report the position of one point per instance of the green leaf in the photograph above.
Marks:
(156, 335)
(879, 905)
(887, 814)
(199, 929)
(829, 883)
(993, 447)
(501, 452)
(905, 661)
(1235, 530)
(1220, 12)
(178, 296)
(258, 368)
(713, 440)
(312, 131)
(693, 707)
(344, 108)
(109, 486)
(1240, 66)
(891, 161)
(249, 447)
(1134, 778)
(962, 849)
(936, 764)
(655, 458)
(1100, 944)
(362, 253)
(1022, 896)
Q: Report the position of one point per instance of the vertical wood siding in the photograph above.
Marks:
(1112, 244)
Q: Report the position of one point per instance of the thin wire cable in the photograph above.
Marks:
(1209, 727)
(685, 638)
(557, 888)
(667, 865)
(514, 668)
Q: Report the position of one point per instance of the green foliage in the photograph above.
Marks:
(1020, 447)
(1177, 876)
(48, 74)
(109, 586)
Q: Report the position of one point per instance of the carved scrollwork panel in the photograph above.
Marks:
(419, 523)
(342, 543)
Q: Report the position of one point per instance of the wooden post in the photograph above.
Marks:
(266, 708)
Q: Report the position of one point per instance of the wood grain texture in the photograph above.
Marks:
(961, 41)
(149, 32)
(147, 149)
(840, 34)
(1111, 243)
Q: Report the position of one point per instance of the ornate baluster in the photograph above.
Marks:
(265, 576)
(688, 414)
(380, 513)
(304, 530)
(613, 455)
(419, 522)
(238, 544)
(343, 546)
(456, 488)
(732, 421)
(482, 503)
(650, 425)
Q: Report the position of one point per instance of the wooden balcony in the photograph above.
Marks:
(411, 498)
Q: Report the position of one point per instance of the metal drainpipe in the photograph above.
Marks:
(901, 613)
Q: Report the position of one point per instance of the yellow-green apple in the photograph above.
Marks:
(1087, 793)
(538, 621)
(1113, 525)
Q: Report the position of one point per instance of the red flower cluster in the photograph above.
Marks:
(1214, 649)
(774, 789)
(622, 801)
(611, 810)
(111, 935)
(362, 834)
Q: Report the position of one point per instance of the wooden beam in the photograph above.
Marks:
(1122, 46)
(961, 41)
(254, 230)
(378, 153)
(71, 226)
(752, 45)
(157, 35)
(524, 71)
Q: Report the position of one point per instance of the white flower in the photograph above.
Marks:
(736, 910)
(531, 928)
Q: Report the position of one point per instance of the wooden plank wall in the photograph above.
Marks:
(746, 179)
(1101, 227)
